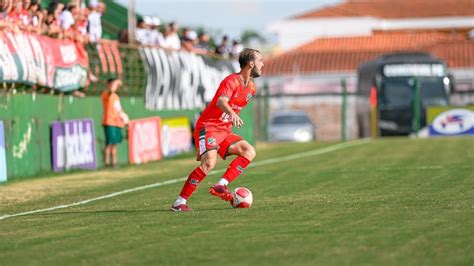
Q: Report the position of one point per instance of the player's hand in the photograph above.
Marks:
(236, 120)
(124, 117)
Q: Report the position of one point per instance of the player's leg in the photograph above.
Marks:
(107, 150)
(107, 155)
(232, 145)
(245, 153)
(221, 191)
(113, 152)
(208, 162)
(207, 147)
(116, 139)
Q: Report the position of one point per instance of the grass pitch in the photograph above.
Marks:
(385, 202)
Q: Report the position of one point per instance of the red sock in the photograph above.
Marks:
(196, 176)
(236, 168)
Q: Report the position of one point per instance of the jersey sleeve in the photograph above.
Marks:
(227, 88)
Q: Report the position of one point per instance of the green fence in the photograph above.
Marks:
(28, 117)
(134, 76)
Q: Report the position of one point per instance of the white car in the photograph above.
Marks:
(291, 126)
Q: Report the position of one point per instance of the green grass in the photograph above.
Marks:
(386, 202)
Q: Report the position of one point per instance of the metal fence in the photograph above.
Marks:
(329, 102)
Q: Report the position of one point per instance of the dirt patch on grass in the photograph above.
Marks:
(33, 189)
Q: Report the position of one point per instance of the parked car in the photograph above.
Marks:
(291, 126)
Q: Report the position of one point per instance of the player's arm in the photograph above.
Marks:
(120, 112)
(223, 104)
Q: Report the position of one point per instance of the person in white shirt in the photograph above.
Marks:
(156, 38)
(237, 47)
(67, 17)
(94, 22)
(141, 32)
(172, 40)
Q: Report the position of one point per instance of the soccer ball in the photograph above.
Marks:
(243, 198)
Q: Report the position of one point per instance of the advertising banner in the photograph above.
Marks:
(176, 136)
(181, 80)
(73, 145)
(107, 61)
(450, 121)
(35, 59)
(3, 158)
(144, 140)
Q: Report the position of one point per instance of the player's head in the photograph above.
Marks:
(113, 84)
(252, 59)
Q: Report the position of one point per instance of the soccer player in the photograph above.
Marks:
(114, 119)
(213, 133)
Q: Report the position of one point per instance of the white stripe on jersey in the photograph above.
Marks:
(202, 144)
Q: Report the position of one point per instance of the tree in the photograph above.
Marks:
(249, 35)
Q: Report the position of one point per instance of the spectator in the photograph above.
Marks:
(52, 22)
(78, 30)
(114, 119)
(203, 42)
(123, 36)
(172, 40)
(101, 7)
(5, 23)
(141, 32)
(69, 15)
(5, 8)
(23, 14)
(55, 9)
(223, 48)
(166, 33)
(189, 40)
(36, 16)
(184, 32)
(14, 15)
(236, 49)
(94, 22)
(156, 38)
(93, 3)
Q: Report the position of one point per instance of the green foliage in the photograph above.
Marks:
(249, 35)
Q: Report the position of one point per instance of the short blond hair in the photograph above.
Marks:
(247, 55)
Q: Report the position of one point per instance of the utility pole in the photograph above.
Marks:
(131, 21)
(416, 106)
(344, 109)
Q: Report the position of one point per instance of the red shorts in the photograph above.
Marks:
(216, 140)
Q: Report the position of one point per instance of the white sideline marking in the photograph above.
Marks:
(331, 148)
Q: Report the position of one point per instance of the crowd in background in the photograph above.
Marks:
(81, 23)
(73, 21)
(151, 32)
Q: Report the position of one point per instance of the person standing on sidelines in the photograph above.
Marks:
(114, 119)
(213, 134)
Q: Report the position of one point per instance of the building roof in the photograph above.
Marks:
(383, 41)
(457, 54)
(394, 9)
(346, 53)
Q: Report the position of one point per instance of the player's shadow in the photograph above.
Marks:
(96, 212)
(99, 212)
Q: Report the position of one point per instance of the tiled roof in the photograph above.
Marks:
(393, 9)
(385, 41)
(345, 54)
(457, 54)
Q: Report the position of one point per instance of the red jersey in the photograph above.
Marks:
(213, 118)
